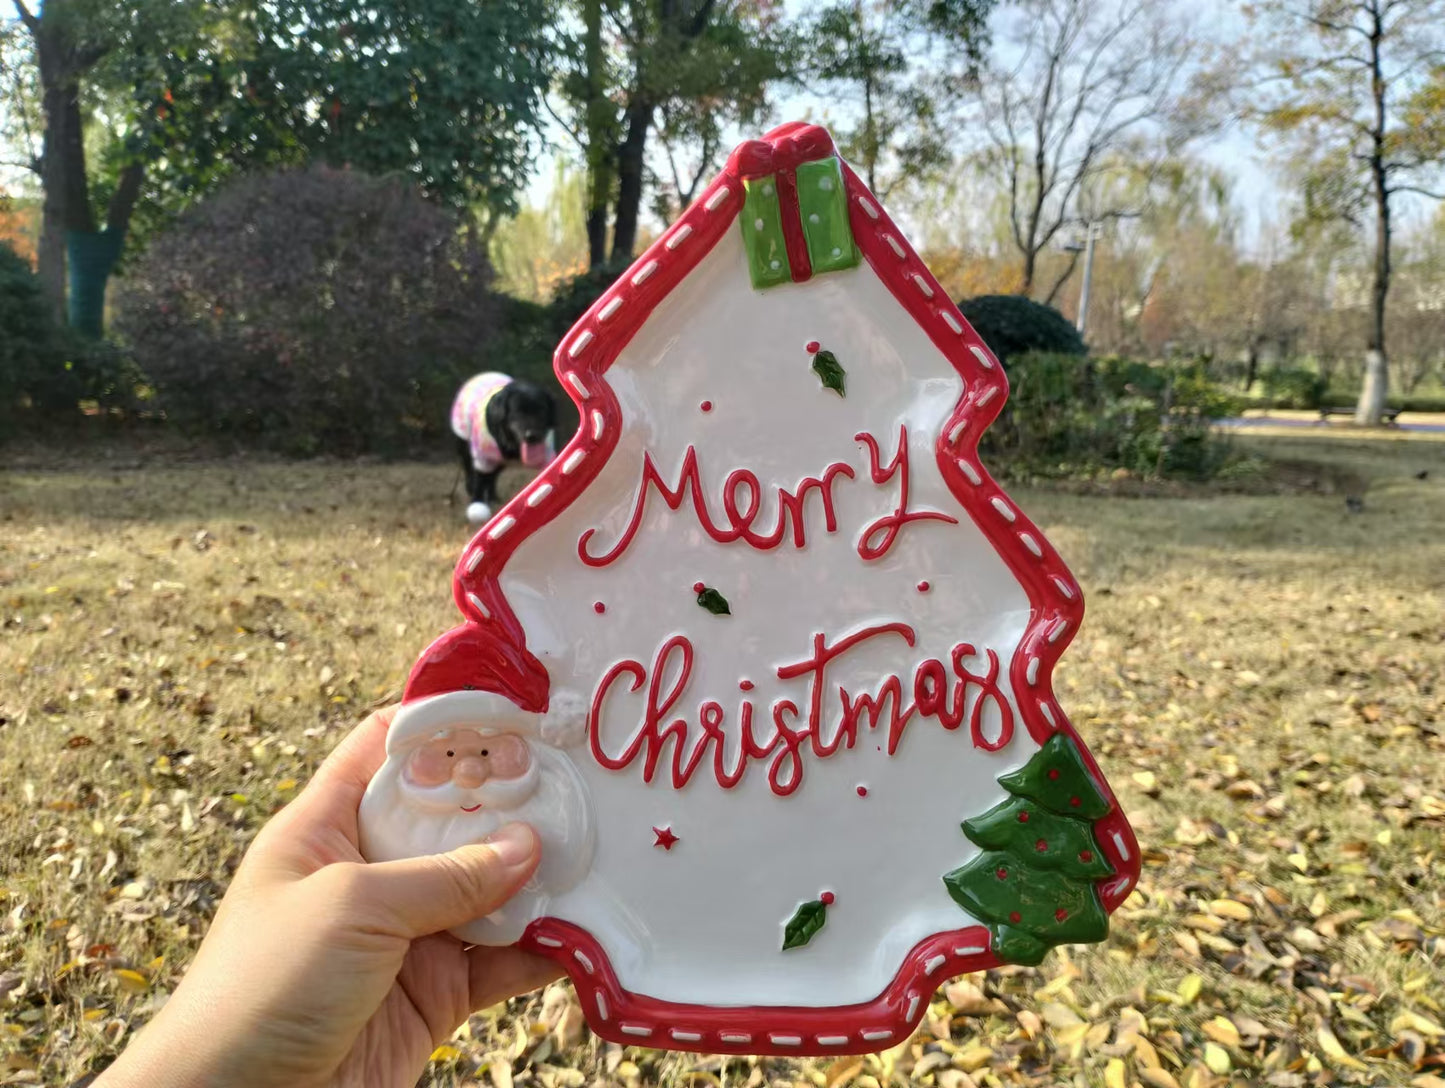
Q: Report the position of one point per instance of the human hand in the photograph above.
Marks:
(320, 969)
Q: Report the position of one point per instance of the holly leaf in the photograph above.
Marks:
(804, 924)
(826, 365)
(713, 601)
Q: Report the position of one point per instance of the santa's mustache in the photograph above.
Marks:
(495, 793)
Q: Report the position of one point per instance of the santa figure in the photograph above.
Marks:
(461, 763)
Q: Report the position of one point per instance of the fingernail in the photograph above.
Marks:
(514, 844)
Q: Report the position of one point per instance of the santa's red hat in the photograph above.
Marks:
(470, 679)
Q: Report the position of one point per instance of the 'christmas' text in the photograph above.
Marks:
(948, 693)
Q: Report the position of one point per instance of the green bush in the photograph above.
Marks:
(1069, 415)
(1012, 325)
(1293, 387)
(575, 296)
(34, 375)
(308, 311)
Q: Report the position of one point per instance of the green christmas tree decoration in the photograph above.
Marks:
(1050, 841)
(1035, 884)
(1057, 779)
(803, 926)
(832, 375)
(712, 600)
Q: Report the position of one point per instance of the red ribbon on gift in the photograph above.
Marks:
(778, 155)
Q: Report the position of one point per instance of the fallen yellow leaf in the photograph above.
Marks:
(132, 982)
(1335, 1052)
(1189, 989)
(1114, 1074)
(445, 1053)
(975, 1057)
(1232, 909)
(1157, 1078)
(1413, 1021)
(1221, 1031)
(1217, 1058)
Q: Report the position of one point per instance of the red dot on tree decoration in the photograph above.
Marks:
(1060, 914)
(1075, 802)
(1015, 917)
(1024, 816)
(1041, 846)
(1001, 873)
(811, 347)
(923, 587)
(706, 406)
(698, 587)
(1054, 774)
(599, 608)
(1086, 856)
(862, 791)
(826, 899)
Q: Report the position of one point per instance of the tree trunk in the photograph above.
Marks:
(600, 149)
(1026, 281)
(630, 161)
(66, 206)
(1369, 410)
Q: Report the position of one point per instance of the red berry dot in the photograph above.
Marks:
(706, 406)
(826, 899)
(862, 791)
(1075, 802)
(1086, 856)
(1041, 846)
(1054, 775)
(1060, 914)
(746, 685)
(923, 587)
(1001, 873)
(599, 608)
(811, 347)
(698, 587)
(1015, 917)
(1024, 817)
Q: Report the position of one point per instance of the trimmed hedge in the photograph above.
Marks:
(1012, 325)
(1071, 415)
(312, 310)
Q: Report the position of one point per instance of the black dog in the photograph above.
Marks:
(498, 421)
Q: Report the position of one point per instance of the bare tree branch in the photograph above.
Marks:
(1433, 194)
(32, 23)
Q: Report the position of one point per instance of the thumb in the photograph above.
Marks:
(434, 892)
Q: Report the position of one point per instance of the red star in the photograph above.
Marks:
(665, 838)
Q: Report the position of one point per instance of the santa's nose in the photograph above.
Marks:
(469, 772)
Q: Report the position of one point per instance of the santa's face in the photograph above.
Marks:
(468, 770)
(457, 786)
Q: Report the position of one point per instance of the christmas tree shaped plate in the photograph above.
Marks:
(765, 654)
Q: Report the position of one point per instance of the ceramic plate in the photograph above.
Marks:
(765, 655)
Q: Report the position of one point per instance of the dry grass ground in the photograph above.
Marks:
(1261, 677)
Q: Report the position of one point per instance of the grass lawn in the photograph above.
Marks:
(1259, 675)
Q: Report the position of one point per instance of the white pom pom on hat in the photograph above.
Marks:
(565, 723)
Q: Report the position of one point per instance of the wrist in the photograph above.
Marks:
(168, 1053)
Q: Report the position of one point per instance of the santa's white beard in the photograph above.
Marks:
(405, 820)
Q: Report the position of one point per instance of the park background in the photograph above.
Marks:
(248, 249)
